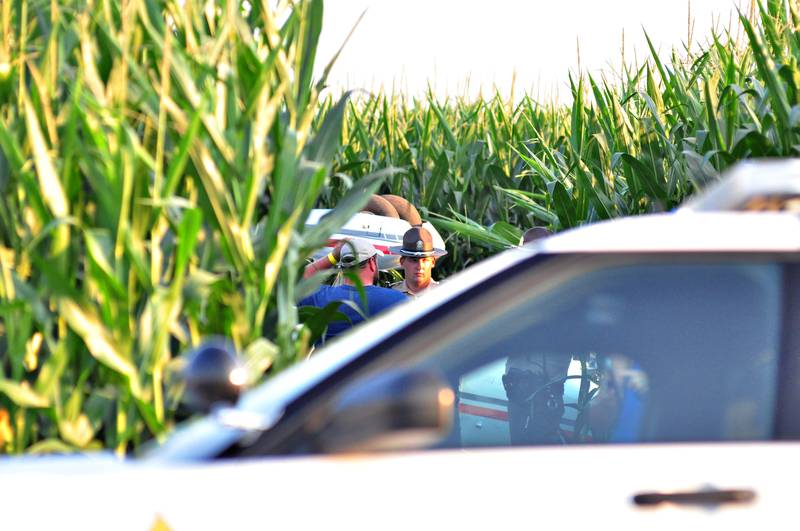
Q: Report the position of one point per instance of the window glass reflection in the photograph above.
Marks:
(653, 353)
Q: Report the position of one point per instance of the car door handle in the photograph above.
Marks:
(700, 497)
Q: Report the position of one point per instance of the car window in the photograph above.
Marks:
(644, 353)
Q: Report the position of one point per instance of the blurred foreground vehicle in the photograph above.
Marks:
(677, 328)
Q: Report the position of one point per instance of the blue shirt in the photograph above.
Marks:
(378, 299)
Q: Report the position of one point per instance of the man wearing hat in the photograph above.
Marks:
(417, 259)
(360, 257)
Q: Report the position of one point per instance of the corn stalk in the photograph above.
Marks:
(157, 161)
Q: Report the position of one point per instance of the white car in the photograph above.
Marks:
(639, 373)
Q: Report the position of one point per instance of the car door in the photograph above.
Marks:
(621, 348)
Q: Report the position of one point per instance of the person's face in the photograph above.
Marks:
(417, 270)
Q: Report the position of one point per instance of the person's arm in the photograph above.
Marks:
(326, 262)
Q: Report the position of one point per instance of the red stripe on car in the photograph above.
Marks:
(478, 411)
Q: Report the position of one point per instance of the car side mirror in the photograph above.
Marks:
(397, 410)
(214, 376)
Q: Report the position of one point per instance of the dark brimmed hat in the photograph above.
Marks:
(417, 243)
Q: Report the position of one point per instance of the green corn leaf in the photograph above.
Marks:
(78, 432)
(188, 232)
(769, 17)
(576, 129)
(265, 70)
(52, 192)
(99, 247)
(564, 206)
(670, 98)
(528, 201)
(101, 346)
(258, 357)
(599, 200)
(709, 90)
(22, 394)
(52, 370)
(776, 90)
(148, 413)
(52, 446)
(645, 177)
(467, 228)
(313, 26)
(506, 231)
(177, 164)
(444, 124)
(326, 141)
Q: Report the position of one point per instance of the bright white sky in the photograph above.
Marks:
(408, 43)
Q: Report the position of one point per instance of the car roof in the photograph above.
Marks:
(752, 185)
(682, 231)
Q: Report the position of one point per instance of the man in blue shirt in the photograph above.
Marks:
(360, 257)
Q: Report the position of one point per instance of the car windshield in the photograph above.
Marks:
(646, 353)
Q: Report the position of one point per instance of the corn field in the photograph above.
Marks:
(158, 159)
(638, 141)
